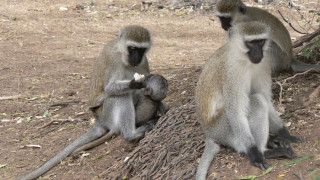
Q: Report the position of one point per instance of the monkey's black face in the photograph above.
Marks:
(135, 55)
(225, 22)
(255, 50)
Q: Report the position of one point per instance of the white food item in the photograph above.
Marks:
(138, 77)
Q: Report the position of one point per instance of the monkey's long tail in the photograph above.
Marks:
(298, 66)
(94, 133)
(95, 143)
(210, 151)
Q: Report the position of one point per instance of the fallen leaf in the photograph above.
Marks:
(32, 98)
(20, 120)
(46, 113)
(63, 9)
(85, 155)
(74, 74)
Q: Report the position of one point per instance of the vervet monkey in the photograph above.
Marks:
(233, 11)
(233, 99)
(113, 85)
(147, 103)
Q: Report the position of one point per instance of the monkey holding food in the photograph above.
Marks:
(112, 93)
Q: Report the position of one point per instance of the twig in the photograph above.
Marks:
(44, 107)
(298, 74)
(5, 16)
(64, 103)
(90, 167)
(290, 23)
(280, 93)
(306, 38)
(307, 21)
(54, 121)
(298, 176)
(9, 97)
(94, 41)
(289, 78)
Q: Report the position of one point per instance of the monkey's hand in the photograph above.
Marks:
(136, 85)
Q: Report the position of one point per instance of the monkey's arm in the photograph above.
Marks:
(163, 108)
(237, 102)
(120, 87)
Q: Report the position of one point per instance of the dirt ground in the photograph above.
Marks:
(46, 58)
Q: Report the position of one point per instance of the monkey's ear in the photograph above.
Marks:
(242, 8)
(147, 91)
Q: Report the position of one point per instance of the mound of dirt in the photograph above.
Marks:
(171, 149)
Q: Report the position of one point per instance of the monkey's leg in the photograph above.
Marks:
(279, 152)
(283, 137)
(98, 102)
(298, 66)
(126, 119)
(149, 124)
(259, 127)
(95, 132)
(95, 143)
(210, 151)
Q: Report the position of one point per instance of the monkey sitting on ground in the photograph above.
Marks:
(113, 85)
(233, 99)
(147, 103)
(232, 11)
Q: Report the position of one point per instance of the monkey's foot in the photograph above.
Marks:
(257, 158)
(283, 141)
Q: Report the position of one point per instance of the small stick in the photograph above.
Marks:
(289, 78)
(64, 103)
(298, 176)
(290, 24)
(9, 97)
(54, 121)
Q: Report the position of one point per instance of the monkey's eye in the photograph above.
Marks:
(131, 48)
(252, 43)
